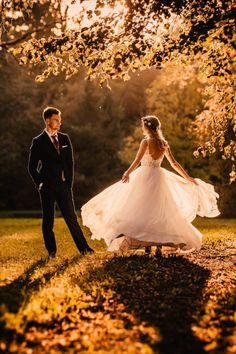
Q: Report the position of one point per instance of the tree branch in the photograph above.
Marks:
(24, 36)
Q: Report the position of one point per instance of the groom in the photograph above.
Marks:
(51, 167)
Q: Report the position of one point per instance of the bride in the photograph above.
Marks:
(151, 206)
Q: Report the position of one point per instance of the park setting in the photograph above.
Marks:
(106, 68)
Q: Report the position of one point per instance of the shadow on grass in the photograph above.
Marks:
(163, 293)
(17, 294)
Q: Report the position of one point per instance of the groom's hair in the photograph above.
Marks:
(49, 111)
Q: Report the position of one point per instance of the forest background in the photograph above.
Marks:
(103, 123)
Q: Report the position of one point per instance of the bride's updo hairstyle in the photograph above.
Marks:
(153, 127)
(151, 123)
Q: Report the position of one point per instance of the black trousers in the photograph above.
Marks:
(61, 194)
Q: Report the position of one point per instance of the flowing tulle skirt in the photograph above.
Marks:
(155, 208)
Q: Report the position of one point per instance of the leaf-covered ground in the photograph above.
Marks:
(106, 303)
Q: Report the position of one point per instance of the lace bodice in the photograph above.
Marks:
(147, 160)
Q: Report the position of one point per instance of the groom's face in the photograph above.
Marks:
(54, 122)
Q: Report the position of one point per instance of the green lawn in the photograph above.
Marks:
(106, 303)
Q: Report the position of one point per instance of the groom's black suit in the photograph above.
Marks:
(52, 172)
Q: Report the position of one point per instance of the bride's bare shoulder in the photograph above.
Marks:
(144, 142)
(143, 145)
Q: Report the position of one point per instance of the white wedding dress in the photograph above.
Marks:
(156, 207)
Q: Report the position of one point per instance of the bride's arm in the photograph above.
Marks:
(136, 162)
(176, 166)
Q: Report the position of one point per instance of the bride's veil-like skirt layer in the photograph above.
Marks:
(155, 208)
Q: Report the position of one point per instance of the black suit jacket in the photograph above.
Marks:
(46, 165)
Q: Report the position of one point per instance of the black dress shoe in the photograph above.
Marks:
(158, 253)
(52, 255)
(87, 251)
(148, 250)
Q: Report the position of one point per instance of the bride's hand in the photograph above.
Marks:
(190, 179)
(125, 177)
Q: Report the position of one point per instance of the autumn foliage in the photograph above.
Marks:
(113, 38)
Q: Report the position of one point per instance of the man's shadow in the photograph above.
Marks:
(18, 293)
(163, 293)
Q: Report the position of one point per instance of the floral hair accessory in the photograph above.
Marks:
(151, 122)
(147, 122)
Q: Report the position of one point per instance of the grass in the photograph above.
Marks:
(106, 303)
